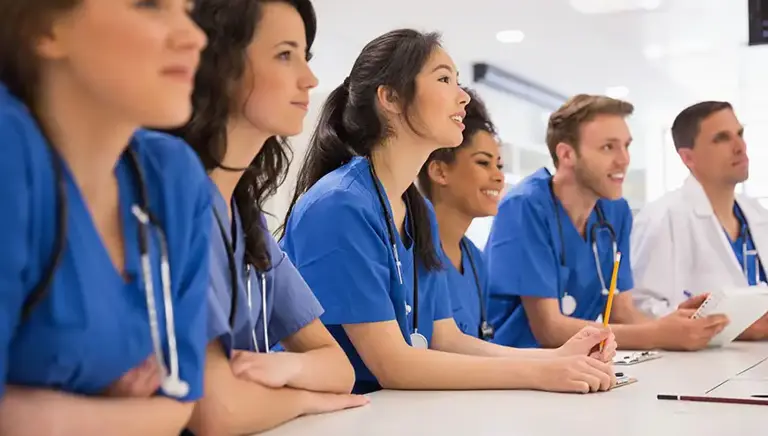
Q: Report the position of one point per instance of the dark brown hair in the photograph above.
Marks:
(23, 22)
(476, 120)
(565, 123)
(350, 124)
(686, 126)
(230, 26)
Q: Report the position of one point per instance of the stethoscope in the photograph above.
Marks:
(248, 290)
(485, 330)
(171, 383)
(568, 302)
(746, 252)
(417, 339)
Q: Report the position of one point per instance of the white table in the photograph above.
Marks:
(631, 410)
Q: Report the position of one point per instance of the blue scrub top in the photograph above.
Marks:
(92, 325)
(738, 249)
(337, 237)
(465, 291)
(523, 256)
(290, 303)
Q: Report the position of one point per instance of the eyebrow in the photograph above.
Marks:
(443, 67)
(485, 153)
(629, 140)
(292, 44)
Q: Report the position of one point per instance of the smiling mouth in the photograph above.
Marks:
(616, 177)
(492, 193)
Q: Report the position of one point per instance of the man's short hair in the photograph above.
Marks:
(686, 126)
(565, 123)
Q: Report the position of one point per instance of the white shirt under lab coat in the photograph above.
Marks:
(678, 245)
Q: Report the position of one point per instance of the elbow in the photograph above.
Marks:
(391, 372)
(211, 416)
(546, 334)
(346, 374)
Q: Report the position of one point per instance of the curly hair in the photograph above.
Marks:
(476, 120)
(230, 26)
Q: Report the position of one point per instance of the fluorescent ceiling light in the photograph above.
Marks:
(510, 36)
(613, 6)
(617, 91)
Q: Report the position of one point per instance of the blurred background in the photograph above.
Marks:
(525, 57)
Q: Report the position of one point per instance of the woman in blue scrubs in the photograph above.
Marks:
(365, 240)
(105, 226)
(464, 183)
(252, 91)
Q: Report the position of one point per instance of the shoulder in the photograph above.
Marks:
(168, 157)
(19, 131)
(341, 194)
(531, 196)
(661, 210)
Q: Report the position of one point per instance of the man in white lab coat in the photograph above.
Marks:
(701, 237)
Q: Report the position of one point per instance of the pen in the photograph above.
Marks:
(611, 292)
(760, 396)
(753, 401)
(687, 293)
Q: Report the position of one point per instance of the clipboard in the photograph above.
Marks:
(627, 359)
(743, 306)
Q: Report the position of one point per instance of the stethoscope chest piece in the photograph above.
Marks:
(419, 341)
(175, 387)
(568, 304)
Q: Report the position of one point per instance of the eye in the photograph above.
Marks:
(607, 147)
(500, 166)
(309, 56)
(484, 163)
(147, 3)
(285, 56)
(445, 79)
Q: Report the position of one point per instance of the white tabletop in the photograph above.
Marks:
(631, 410)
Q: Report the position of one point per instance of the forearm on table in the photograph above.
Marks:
(233, 406)
(58, 413)
(325, 369)
(460, 343)
(418, 369)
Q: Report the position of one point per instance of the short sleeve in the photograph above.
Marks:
(14, 196)
(625, 281)
(192, 296)
(521, 261)
(295, 304)
(654, 262)
(336, 248)
(218, 315)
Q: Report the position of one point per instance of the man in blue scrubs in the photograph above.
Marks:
(551, 248)
(714, 228)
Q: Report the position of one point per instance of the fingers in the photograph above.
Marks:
(685, 313)
(693, 302)
(334, 402)
(717, 320)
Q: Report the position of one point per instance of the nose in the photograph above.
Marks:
(188, 35)
(464, 97)
(308, 80)
(623, 158)
(740, 146)
(497, 175)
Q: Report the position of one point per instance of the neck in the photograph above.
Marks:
(242, 145)
(89, 137)
(722, 198)
(397, 164)
(452, 225)
(577, 201)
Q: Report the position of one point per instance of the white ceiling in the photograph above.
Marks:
(668, 57)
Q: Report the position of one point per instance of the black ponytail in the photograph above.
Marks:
(350, 124)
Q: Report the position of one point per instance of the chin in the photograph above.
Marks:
(170, 118)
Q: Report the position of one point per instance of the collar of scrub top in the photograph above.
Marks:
(485, 330)
(601, 224)
(746, 236)
(230, 249)
(417, 339)
(171, 383)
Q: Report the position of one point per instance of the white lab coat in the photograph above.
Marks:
(679, 245)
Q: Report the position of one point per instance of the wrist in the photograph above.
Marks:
(657, 334)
